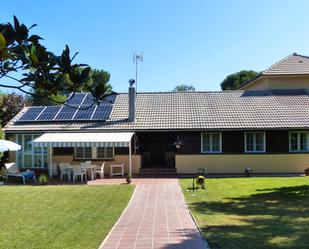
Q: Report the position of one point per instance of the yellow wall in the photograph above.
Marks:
(271, 163)
(136, 162)
(279, 82)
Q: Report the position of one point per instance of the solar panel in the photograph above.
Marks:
(31, 114)
(66, 113)
(49, 113)
(89, 100)
(102, 112)
(77, 99)
(84, 114)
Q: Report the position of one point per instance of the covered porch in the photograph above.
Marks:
(108, 147)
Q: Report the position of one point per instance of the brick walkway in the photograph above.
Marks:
(156, 218)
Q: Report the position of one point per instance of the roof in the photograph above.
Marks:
(294, 64)
(192, 111)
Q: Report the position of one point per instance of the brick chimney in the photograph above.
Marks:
(132, 102)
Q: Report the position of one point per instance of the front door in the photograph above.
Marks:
(157, 149)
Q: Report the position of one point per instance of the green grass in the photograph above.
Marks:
(59, 217)
(252, 213)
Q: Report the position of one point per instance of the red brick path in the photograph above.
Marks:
(156, 218)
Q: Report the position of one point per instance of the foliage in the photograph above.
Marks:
(202, 171)
(184, 88)
(235, 80)
(263, 212)
(10, 105)
(22, 54)
(43, 179)
(248, 172)
(55, 217)
(200, 181)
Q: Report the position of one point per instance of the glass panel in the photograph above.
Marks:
(293, 141)
(88, 153)
(109, 152)
(249, 142)
(206, 142)
(100, 152)
(27, 161)
(303, 141)
(259, 141)
(27, 143)
(45, 157)
(79, 152)
(216, 142)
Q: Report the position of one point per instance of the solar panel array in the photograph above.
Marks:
(80, 107)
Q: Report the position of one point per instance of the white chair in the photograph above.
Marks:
(78, 171)
(64, 170)
(12, 170)
(100, 170)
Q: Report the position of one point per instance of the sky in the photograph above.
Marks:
(197, 42)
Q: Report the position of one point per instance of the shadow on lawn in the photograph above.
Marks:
(272, 218)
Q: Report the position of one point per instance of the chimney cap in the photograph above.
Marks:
(131, 82)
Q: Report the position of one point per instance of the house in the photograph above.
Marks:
(289, 73)
(264, 125)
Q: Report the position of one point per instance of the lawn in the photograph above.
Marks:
(59, 217)
(252, 212)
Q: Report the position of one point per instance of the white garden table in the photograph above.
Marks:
(91, 168)
(117, 166)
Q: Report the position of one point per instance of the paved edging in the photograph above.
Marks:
(194, 220)
(113, 228)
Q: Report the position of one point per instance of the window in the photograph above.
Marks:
(255, 142)
(299, 141)
(211, 142)
(94, 153)
(30, 156)
(105, 152)
(83, 153)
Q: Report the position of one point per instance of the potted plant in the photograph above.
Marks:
(307, 172)
(200, 181)
(248, 172)
(43, 179)
(129, 178)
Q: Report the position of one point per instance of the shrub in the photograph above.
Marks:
(43, 179)
(248, 172)
(307, 172)
(200, 181)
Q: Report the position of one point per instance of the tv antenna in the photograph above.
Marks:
(137, 57)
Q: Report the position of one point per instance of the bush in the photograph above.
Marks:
(200, 181)
(307, 172)
(248, 172)
(43, 179)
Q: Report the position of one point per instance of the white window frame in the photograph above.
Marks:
(298, 141)
(254, 142)
(211, 151)
(94, 155)
(21, 163)
(81, 158)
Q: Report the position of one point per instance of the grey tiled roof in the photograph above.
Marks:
(291, 65)
(194, 111)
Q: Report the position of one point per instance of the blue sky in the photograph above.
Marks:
(194, 42)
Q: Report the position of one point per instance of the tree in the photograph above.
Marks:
(10, 105)
(184, 88)
(233, 81)
(39, 72)
(100, 79)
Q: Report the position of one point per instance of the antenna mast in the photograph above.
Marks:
(137, 57)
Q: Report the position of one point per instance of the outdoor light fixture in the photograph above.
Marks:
(178, 143)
